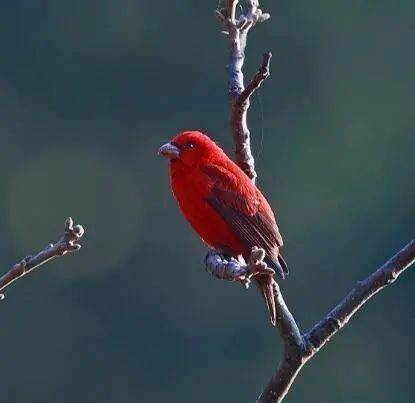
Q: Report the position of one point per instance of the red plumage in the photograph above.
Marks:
(223, 205)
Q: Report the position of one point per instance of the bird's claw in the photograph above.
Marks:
(256, 264)
(261, 268)
(245, 281)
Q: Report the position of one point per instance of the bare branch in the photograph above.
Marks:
(224, 269)
(363, 291)
(237, 270)
(67, 243)
(297, 354)
(231, 9)
(255, 13)
(261, 75)
(298, 347)
(236, 29)
(220, 16)
(289, 331)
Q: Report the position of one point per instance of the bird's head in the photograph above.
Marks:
(190, 148)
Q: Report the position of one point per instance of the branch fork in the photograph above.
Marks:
(298, 347)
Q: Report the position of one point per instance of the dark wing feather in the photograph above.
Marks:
(251, 219)
(250, 224)
(248, 215)
(253, 230)
(244, 210)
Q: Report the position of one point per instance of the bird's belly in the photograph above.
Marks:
(215, 232)
(209, 225)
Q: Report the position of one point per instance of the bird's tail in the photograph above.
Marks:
(279, 265)
(264, 283)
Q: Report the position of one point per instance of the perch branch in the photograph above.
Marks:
(297, 353)
(289, 331)
(236, 29)
(237, 270)
(298, 347)
(67, 243)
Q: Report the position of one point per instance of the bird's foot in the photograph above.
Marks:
(256, 265)
(245, 280)
(235, 269)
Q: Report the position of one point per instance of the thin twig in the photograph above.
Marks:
(256, 81)
(67, 243)
(231, 7)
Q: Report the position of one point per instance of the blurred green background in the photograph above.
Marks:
(90, 89)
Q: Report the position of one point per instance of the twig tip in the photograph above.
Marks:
(69, 224)
(79, 230)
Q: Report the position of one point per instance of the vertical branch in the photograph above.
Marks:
(231, 9)
(236, 28)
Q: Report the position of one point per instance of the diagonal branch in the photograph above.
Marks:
(296, 355)
(67, 243)
(322, 332)
(260, 76)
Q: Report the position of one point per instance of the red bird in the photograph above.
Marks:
(223, 205)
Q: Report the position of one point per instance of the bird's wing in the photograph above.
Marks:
(247, 213)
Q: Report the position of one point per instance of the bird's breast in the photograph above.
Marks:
(192, 190)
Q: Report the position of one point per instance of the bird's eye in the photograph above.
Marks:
(190, 145)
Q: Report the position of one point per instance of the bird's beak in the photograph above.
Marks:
(169, 151)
